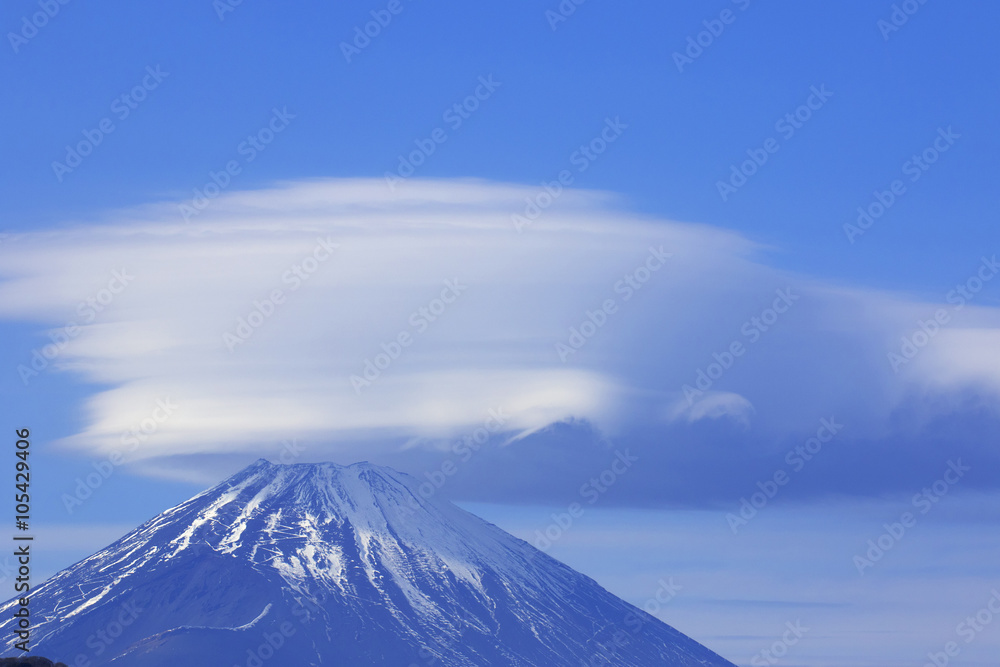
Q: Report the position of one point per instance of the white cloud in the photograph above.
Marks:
(492, 346)
(712, 405)
(960, 357)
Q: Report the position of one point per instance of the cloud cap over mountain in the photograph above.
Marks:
(387, 325)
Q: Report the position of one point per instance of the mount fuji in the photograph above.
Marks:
(320, 564)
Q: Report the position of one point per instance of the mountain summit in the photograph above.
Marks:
(320, 564)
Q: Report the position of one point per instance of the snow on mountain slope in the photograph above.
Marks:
(320, 564)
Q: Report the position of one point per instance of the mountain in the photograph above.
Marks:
(320, 564)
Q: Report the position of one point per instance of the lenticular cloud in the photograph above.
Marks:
(346, 312)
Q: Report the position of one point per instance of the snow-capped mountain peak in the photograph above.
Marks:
(330, 565)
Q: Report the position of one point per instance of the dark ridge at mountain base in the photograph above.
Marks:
(32, 661)
(323, 565)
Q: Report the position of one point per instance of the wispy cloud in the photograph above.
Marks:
(318, 284)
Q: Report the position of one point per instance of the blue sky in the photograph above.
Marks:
(262, 99)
